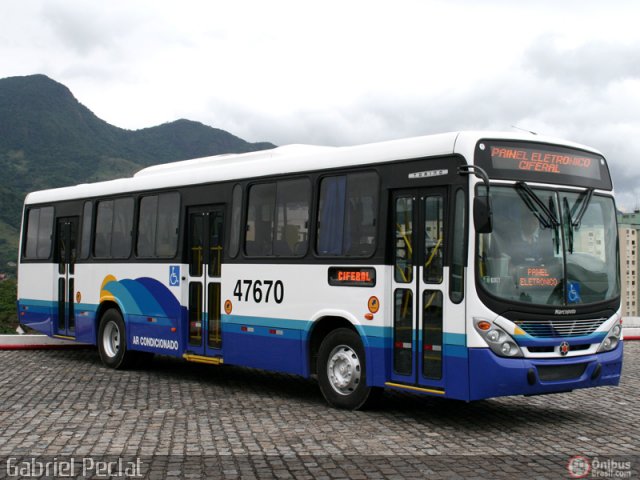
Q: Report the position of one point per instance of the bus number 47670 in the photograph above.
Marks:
(259, 291)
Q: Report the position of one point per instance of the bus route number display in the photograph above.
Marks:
(547, 161)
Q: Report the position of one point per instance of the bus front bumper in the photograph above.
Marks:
(494, 376)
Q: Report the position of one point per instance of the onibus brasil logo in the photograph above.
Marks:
(580, 466)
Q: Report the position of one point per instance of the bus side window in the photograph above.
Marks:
(114, 222)
(31, 250)
(236, 218)
(347, 215)
(292, 218)
(39, 233)
(122, 228)
(459, 243)
(278, 219)
(158, 220)
(167, 225)
(85, 245)
(260, 217)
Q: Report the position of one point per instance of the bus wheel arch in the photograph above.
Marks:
(337, 356)
(321, 328)
(102, 309)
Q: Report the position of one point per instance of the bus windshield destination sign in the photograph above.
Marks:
(533, 162)
(539, 160)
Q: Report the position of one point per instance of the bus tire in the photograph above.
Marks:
(112, 341)
(342, 370)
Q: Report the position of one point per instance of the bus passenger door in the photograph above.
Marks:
(419, 297)
(66, 254)
(205, 244)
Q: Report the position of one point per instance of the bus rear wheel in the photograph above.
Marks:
(342, 371)
(112, 341)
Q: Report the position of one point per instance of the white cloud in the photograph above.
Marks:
(337, 72)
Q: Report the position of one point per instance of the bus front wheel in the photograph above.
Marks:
(342, 371)
(112, 341)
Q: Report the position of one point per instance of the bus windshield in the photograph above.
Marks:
(549, 247)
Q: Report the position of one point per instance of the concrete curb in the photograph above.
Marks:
(631, 333)
(37, 342)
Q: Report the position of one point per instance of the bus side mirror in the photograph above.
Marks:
(482, 216)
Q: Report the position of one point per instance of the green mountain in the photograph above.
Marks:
(49, 139)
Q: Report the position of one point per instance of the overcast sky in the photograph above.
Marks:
(348, 71)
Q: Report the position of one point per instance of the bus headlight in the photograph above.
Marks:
(493, 336)
(612, 339)
(499, 341)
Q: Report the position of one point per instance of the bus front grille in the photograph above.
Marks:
(560, 328)
(551, 373)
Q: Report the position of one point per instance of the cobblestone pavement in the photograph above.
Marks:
(64, 411)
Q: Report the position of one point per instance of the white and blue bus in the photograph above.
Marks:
(462, 265)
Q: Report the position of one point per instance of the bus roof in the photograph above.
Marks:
(285, 159)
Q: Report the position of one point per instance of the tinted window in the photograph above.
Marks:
(459, 244)
(104, 223)
(348, 215)
(32, 233)
(167, 226)
(147, 226)
(158, 225)
(260, 217)
(45, 232)
(86, 230)
(122, 226)
(236, 214)
(114, 222)
(278, 219)
(292, 218)
(39, 233)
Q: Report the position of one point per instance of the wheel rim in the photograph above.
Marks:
(111, 339)
(343, 370)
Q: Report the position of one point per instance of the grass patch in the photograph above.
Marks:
(8, 312)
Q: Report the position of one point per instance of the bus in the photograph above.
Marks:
(463, 265)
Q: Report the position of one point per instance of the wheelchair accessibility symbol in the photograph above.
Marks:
(573, 292)
(174, 275)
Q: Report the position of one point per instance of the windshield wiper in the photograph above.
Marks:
(583, 200)
(576, 219)
(532, 200)
(556, 228)
(565, 204)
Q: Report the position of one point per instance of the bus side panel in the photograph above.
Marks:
(151, 310)
(154, 334)
(268, 347)
(272, 309)
(456, 369)
(86, 323)
(37, 306)
(149, 307)
(377, 346)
